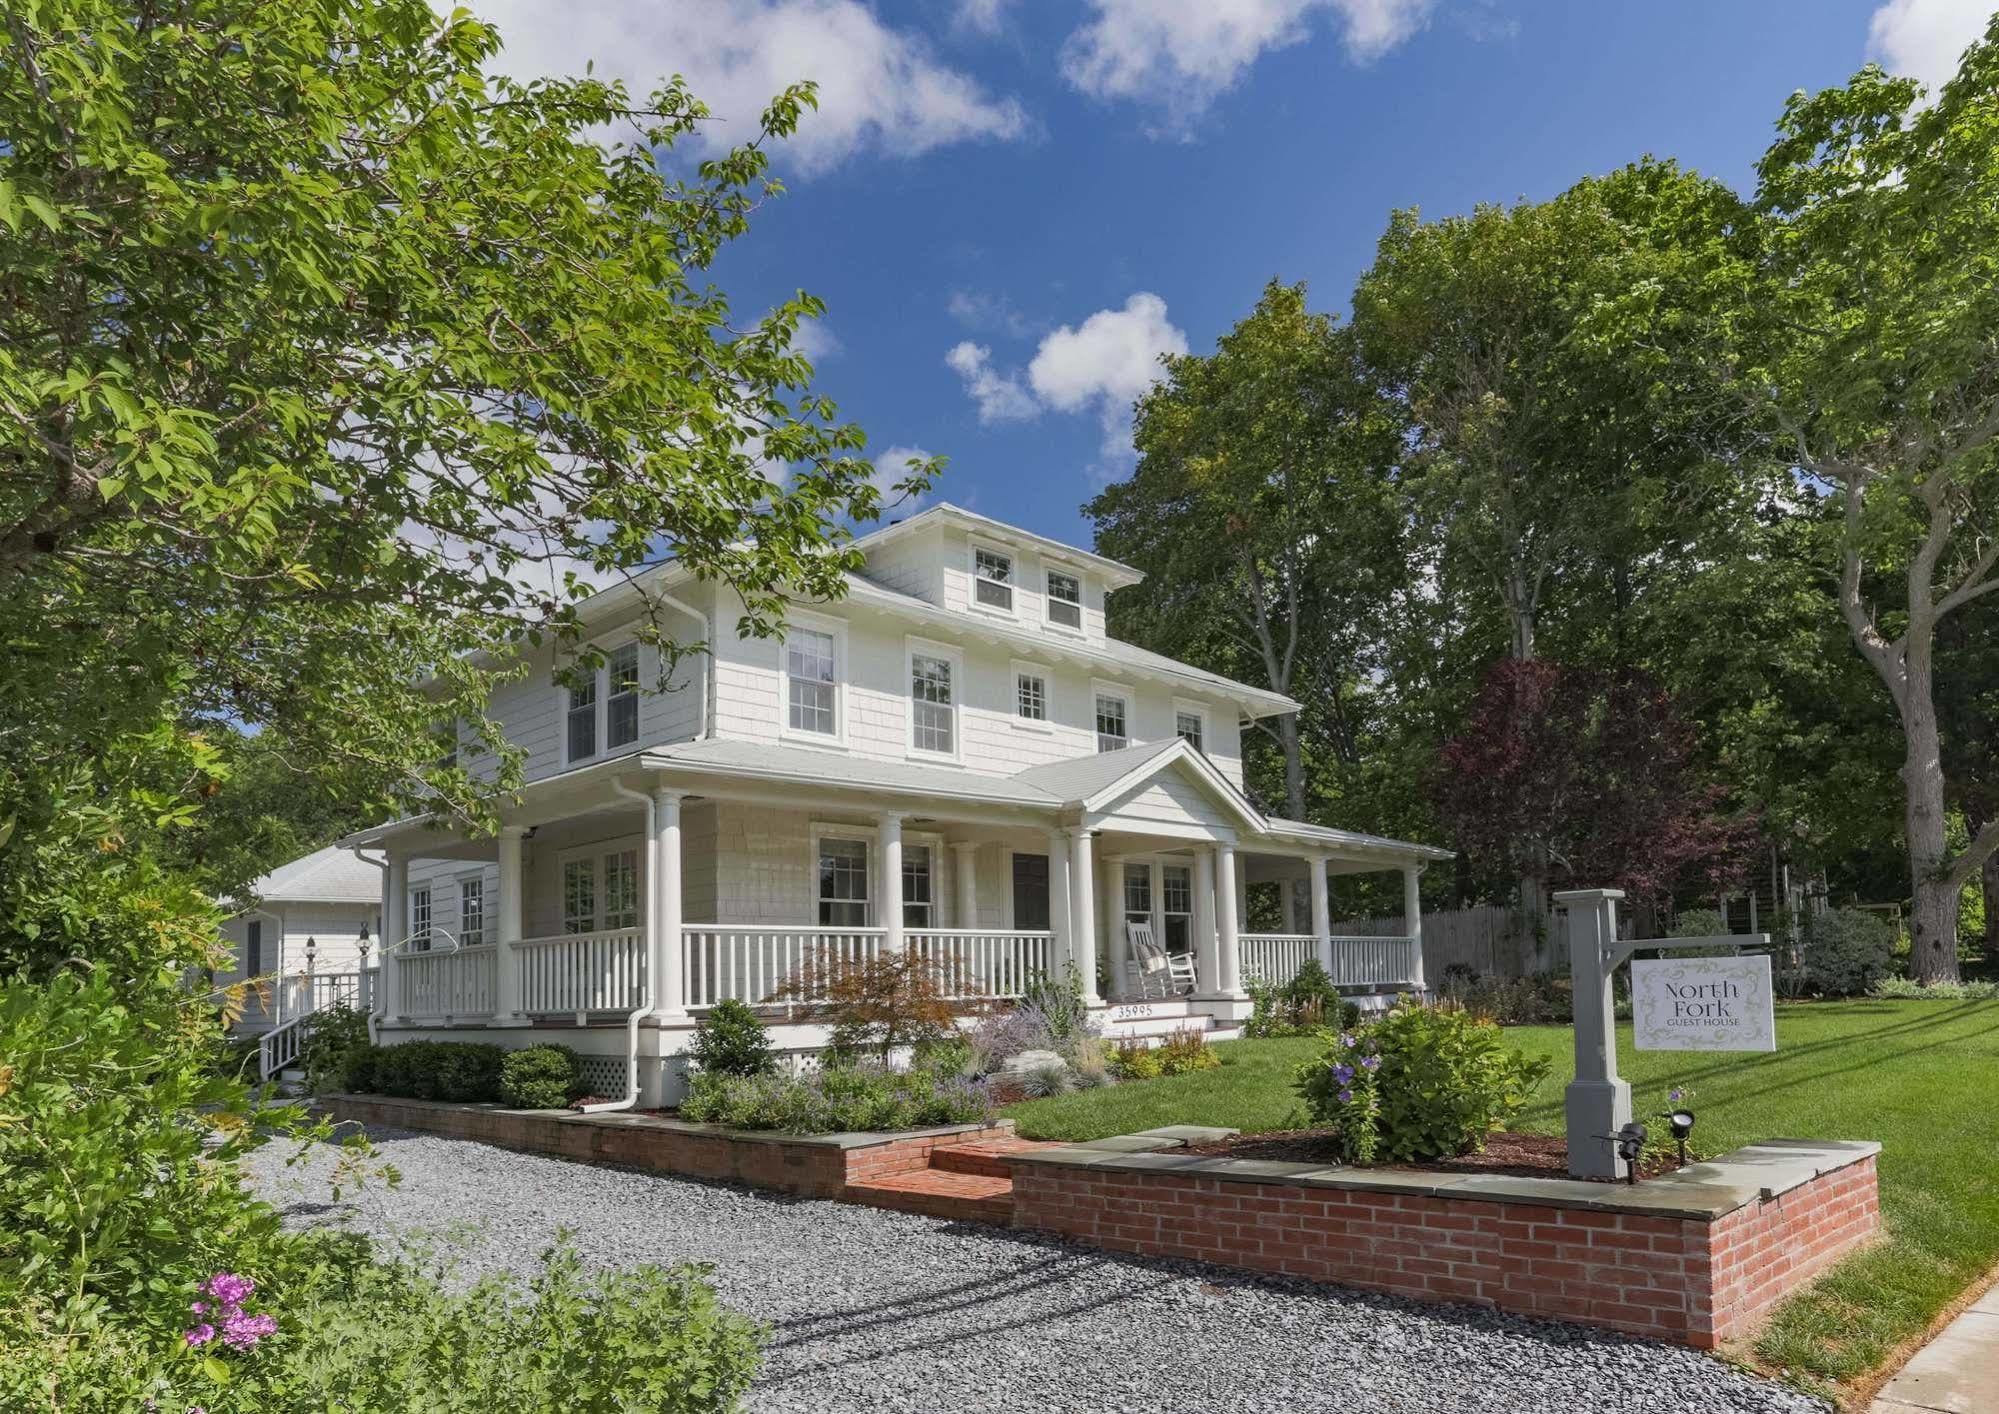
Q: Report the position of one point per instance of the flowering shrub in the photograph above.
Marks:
(1308, 1002)
(840, 1098)
(1419, 1083)
(223, 1297)
(1183, 1051)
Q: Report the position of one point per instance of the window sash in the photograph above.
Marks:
(1031, 697)
(579, 896)
(812, 704)
(581, 720)
(843, 883)
(932, 716)
(992, 575)
(621, 889)
(1190, 728)
(621, 713)
(1138, 893)
(1111, 731)
(420, 918)
(1065, 599)
(918, 896)
(471, 912)
(253, 948)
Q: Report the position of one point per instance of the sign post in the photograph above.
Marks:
(1706, 1004)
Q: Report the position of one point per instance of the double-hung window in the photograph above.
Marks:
(1112, 734)
(932, 708)
(621, 889)
(843, 883)
(1065, 599)
(1138, 893)
(471, 912)
(420, 919)
(1191, 728)
(600, 891)
(811, 672)
(1176, 905)
(992, 579)
(580, 720)
(919, 899)
(621, 707)
(1030, 697)
(579, 896)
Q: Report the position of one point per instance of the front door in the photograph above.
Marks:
(1030, 892)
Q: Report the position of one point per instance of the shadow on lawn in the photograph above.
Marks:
(1788, 1055)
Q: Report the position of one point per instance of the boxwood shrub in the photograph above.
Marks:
(425, 1070)
(540, 1077)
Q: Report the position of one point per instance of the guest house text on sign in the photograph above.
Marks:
(1702, 1004)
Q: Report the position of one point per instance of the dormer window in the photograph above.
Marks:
(1065, 599)
(992, 579)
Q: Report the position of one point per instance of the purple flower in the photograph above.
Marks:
(201, 1334)
(1674, 1094)
(1346, 1097)
(228, 1288)
(1347, 1039)
(1343, 1074)
(241, 1332)
(199, 1307)
(1370, 1063)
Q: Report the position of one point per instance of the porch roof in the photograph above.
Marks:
(763, 761)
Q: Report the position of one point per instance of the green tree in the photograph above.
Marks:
(1263, 515)
(1860, 342)
(328, 360)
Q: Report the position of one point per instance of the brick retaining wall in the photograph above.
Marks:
(811, 1165)
(1698, 1261)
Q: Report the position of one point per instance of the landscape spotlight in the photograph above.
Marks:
(1683, 1125)
(1630, 1144)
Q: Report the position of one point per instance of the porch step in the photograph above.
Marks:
(987, 1158)
(939, 1193)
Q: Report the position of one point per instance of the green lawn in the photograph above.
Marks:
(1921, 1077)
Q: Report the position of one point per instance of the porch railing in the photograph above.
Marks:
(1373, 962)
(1274, 958)
(302, 994)
(458, 982)
(752, 962)
(582, 973)
(978, 963)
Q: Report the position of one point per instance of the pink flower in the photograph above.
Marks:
(201, 1334)
(228, 1288)
(240, 1332)
(199, 1307)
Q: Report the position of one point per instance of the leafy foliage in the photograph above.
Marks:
(1182, 1052)
(730, 1040)
(1842, 952)
(838, 1098)
(1308, 1002)
(877, 1005)
(331, 1035)
(1419, 1083)
(427, 1070)
(544, 1077)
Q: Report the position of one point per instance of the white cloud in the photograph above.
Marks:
(1193, 51)
(813, 339)
(1001, 397)
(880, 89)
(977, 309)
(987, 17)
(891, 465)
(1102, 365)
(1925, 38)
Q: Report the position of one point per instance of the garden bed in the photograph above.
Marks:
(1506, 1152)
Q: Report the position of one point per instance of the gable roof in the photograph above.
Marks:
(1095, 781)
(330, 875)
(1115, 573)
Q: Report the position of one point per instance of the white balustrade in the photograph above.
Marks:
(754, 962)
(454, 982)
(304, 993)
(1274, 958)
(1373, 962)
(984, 962)
(583, 972)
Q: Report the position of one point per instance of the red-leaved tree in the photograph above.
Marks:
(1570, 777)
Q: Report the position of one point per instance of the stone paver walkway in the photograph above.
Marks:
(1957, 1373)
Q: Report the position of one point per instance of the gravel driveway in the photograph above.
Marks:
(877, 1312)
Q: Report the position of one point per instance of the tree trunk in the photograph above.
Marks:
(1294, 764)
(1989, 879)
(1933, 916)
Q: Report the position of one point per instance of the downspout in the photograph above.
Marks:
(652, 932)
(706, 728)
(381, 945)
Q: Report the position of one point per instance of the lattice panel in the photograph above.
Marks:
(604, 1075)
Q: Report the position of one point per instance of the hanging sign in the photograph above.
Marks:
(1702, 1004)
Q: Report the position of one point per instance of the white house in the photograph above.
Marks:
(955, 757)
(308, 918)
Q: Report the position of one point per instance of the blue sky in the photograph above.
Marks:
(1012, 206)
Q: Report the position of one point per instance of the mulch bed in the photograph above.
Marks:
(1518, 1155)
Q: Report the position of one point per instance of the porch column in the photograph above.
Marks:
(965, 881)
(669, 950)
(889, 827)
(1226, 922)
(1322, 913)
(1207, 946)
(1156, 890)
(1412, 920)
(395, 911)
(1060, 911)
(1083, 913)
(507, 1006)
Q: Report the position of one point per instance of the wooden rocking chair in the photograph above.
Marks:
(1154, 971)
